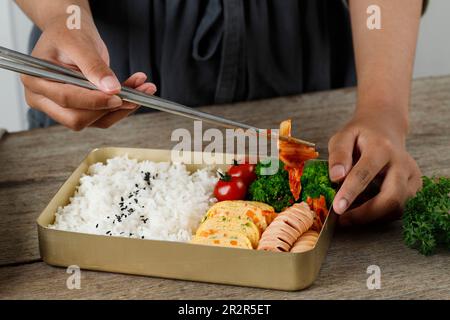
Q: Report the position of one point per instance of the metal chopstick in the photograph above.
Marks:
(21, 63)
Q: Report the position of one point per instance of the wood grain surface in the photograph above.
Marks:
(34, 164)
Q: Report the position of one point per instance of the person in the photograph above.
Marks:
(215, 51)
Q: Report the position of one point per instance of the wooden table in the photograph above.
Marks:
(34, 164)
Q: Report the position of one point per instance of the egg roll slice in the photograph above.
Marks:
(250, 213)
(260, 213)
(240, 224)
(223, 239)
(268, 211)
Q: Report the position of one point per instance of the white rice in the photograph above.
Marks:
(116, 200)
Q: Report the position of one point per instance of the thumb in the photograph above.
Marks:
(340, 150)
(94, 67)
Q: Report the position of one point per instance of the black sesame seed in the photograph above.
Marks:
(96, 226)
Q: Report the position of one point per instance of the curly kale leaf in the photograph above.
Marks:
(426, 218)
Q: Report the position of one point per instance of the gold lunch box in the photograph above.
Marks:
(175, 260)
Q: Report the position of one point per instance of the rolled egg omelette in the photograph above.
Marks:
(237, 224)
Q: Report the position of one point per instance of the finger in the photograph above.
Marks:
(388, 203)
(148, 88)
(340, 149)
(70, 96)
(92, 65)
(359, 177)
(108, 120)
(136, 80)
(415, 182)
(74, 119)
(112, 118)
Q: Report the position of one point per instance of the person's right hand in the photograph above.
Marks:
(83, 50)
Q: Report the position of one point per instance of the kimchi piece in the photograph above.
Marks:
(319, 206)
(294, 156)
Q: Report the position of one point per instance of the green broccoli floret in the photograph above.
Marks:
(272, 189)
(316, 172)
(316, 182)
(426, 218)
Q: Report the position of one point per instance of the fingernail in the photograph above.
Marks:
(151, 87)
(141, 75)
(147, 88)
(337, 172)
(110, 83)
(341, 206)
(114, 102)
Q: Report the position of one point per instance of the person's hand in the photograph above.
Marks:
(83, 50)
(372, 145)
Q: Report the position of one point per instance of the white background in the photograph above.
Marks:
(433, 54)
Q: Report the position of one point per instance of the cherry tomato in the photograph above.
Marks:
(245, 171)
(230, 188)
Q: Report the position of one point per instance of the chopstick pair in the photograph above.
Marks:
(25, 64)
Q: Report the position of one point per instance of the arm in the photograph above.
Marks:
(44, 11)
(378, 129)
(385, 58)
(83, 50)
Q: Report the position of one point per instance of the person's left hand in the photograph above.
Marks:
(372, 144)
